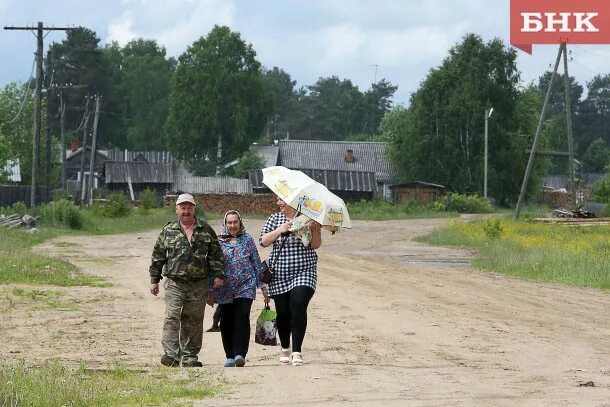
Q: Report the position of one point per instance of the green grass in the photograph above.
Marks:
(576, 256)
(384, 210)
(19, 265)
(44, 298)
(54, 385)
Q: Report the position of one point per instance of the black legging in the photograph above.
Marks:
(235, 327)
(291, 308)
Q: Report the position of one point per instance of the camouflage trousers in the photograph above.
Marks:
(183, 325)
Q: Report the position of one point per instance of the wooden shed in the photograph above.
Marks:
(131, 178)
(423, 192)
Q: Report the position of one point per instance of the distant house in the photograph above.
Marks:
(269, 154)
(153, 157)
(340, 157)
(131, 178)
(73, 167)
(419, 191)
(351, 186)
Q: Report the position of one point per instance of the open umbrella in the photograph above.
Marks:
(307, 196)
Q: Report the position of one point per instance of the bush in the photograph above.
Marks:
(115, 206)
(59, 194)
(493, 229)
(61, 213)
(464, 203)
(19, 208)
(148, 200)
(602, 190)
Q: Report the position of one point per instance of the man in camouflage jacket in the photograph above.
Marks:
(187, 253)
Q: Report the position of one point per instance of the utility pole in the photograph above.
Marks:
(48, 143)
(62, 110)
(569, 119)
(375, 76)
(83, 150)
(530, 161)
(488, 113)
(38, 97)
(93, 147)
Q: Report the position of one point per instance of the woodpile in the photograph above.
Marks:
(17, 221)
(246, 204)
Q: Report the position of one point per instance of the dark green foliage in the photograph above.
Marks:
(149, 200)
(115, 206)
(493, 228)
(61, 213)
(230, 103)
(439, 138)
(464, 203)
(602, 190)
(19, 208)
(593, 119)
(80, 70)
(597, 156)
(249, 161)
(142, 77)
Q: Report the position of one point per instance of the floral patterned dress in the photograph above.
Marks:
(243, 268)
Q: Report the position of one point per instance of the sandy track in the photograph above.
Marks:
(393, 323)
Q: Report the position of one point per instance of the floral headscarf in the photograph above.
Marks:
(224, 233)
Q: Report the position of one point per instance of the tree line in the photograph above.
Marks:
(208, 105)
(440, 137)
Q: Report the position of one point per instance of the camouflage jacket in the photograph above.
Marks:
(175, 258)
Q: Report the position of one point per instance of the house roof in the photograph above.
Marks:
(139, 173)
(70, 155)
(331, 155)
(356, 181)
(155, 157)
(269, 154)
(417, 184)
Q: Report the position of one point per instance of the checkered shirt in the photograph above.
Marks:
(296, 265)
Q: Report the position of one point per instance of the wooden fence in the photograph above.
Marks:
(10, 194)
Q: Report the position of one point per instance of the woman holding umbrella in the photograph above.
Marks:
(294, 277)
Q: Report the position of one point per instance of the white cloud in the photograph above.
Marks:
(121, 30)
(174, 24)
(342, 42)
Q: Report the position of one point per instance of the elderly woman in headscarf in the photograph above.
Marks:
(243, 267)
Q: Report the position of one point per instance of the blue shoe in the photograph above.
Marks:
(240, 361)
(230, 362)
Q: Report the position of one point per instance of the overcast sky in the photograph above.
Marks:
(399, 40)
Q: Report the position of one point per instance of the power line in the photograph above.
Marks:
(40, 30)
(26, 92)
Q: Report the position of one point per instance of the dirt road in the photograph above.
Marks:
(393, 323)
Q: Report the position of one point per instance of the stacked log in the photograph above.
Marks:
(17, 221)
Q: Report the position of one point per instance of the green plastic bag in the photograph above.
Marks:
(266, 327)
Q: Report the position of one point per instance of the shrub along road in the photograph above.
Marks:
(393, 323)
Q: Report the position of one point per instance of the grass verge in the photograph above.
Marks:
(54, 385)
(576, 256)
(384, 210)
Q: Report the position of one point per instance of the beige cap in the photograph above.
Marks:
(185, 198)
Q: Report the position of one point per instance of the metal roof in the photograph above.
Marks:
(417, 184)
(153, 157)
(269, 154)
(140, 173)
(357, 181)
(331, 155)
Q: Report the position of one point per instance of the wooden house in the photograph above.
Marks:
(419, 191)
